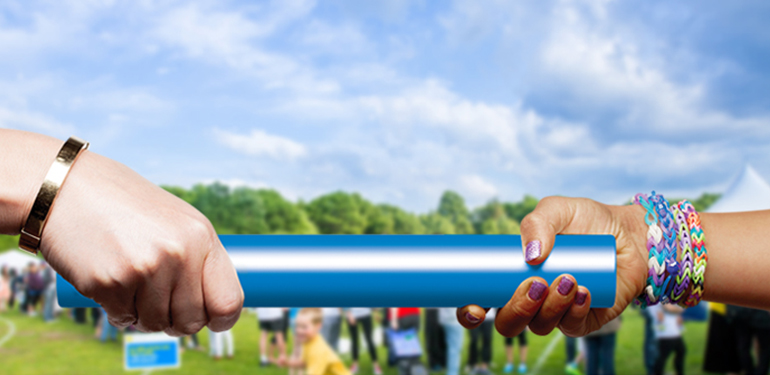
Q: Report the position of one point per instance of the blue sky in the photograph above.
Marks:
(401, 100)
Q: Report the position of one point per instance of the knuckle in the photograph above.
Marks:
(200, 228)
(226, 306)
(188, 328)
(531, 222)
(145, 266)
(551, 200)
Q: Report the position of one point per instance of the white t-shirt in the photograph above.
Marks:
(360, 312)
(448, 316)
(265, 314)
(668, 327)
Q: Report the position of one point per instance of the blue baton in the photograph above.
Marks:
(400, 270)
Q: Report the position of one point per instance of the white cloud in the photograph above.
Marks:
(230, 39)
(603, 70)
(30, 121)
(260, 143)
(477, 188)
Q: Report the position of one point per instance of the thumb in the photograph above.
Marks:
(539, 229)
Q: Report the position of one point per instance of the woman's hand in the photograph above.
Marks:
(147, 257)
(565, 304)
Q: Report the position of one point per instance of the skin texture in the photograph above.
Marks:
(737, 246)
(147, 257)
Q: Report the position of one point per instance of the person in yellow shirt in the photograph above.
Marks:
(317, 357)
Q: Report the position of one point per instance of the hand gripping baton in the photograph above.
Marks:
(400, 270)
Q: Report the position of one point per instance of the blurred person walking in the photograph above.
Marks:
(435, 343)
(49, 293)
(575, 347)
(650, 345)
(600, 349)
(454, 334)
(296, 347)
(191, 342)
(332, 325)
(108, 331)
(271, 321)
(5, 288)
(362, 317)
(15, 281)
(752, 327)
(509, 364)
(221, 342)
(721, 354)
(668, 333)
(480, 346)
(35, 286)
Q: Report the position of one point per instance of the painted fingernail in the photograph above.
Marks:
(471, 318)
(565, 286)
(536, 290)
(532, 251)
(580, 298)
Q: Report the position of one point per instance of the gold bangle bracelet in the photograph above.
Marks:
(33, 229)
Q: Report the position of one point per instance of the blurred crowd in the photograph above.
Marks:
(293, 338)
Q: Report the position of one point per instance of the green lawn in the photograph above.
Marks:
(64, 347)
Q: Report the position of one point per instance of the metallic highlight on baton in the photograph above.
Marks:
(400, 270)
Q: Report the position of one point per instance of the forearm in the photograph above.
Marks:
(738, 247)
(24, 161)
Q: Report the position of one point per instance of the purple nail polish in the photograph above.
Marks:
(532, 251)
(471, 318)
(536, 290)
(580, 298)
(565, 285)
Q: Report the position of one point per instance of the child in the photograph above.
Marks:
(219, 342)
(271, 320)
(317, 357)
(479, 362)
(522, 337)
(668, 332)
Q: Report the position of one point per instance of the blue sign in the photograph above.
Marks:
(146, 351)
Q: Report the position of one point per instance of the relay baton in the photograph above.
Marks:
(400, 270)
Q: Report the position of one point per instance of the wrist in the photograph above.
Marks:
(26, 159)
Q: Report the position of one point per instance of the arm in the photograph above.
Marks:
(737, 245)
(394, 317)
(147, 257)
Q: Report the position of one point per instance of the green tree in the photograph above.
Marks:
(238, 211)
(517, 211)
(452, 206)
(338, 213)
(492, 219)
(435, 223)
(281, 216)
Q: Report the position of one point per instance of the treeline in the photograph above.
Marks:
(245, 210)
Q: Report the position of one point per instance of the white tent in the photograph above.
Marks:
(748, 192)
(16, 259)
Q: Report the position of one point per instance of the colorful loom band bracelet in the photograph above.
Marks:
(700, 259)
(657, 278)
(666, 221)
(683, 279)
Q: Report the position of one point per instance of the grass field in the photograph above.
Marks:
(64, 347)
